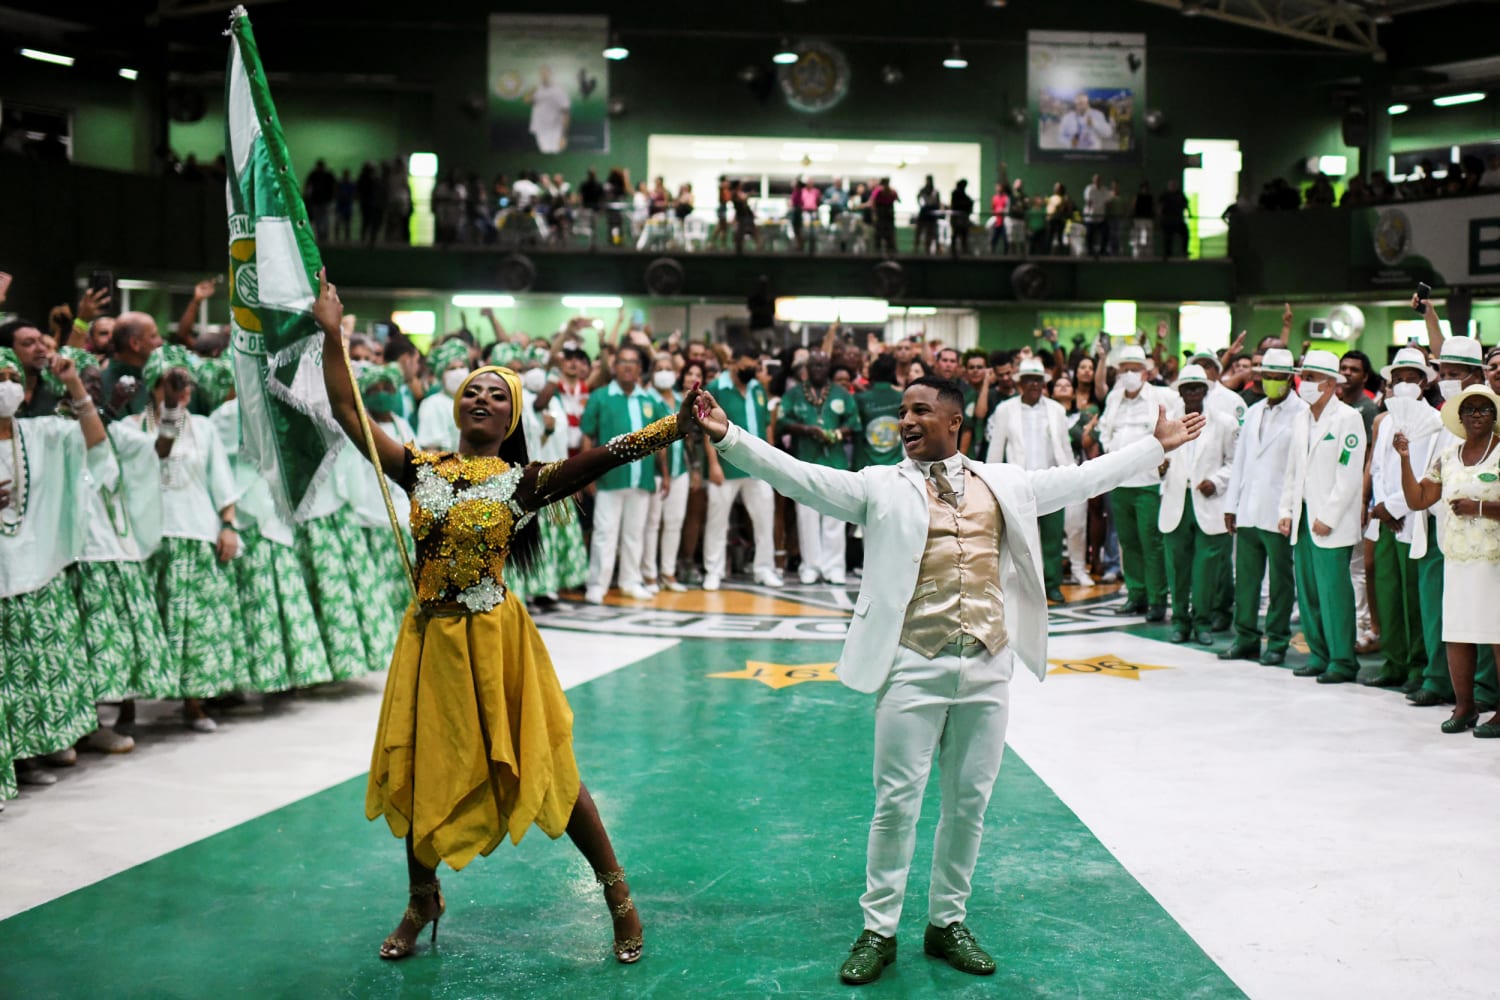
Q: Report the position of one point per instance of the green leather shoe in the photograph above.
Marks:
(1383, 680)
(1487, 731)
(1412, 686)
(1179, 635)
(1332, 677)
(1221, 623)
(1459, 724)
(1241, 651)
(955, 944)
(868, 957)
(1055, 596)
(1156, 613)
(1427, 699)
(1308, 670)
(1203, 637)
(1273, 658)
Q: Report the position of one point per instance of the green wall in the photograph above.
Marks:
(111, 116)
(1425, 126)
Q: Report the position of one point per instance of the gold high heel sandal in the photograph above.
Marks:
(627, 950)
(396, 947)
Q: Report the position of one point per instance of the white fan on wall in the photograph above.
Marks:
(1345, 323)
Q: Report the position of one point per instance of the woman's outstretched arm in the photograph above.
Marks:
(329, 313)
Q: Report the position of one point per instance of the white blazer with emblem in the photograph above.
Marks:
(1326, 470)
(890, 502)
(1211, 457)
(1260, 461)
(1008, 442)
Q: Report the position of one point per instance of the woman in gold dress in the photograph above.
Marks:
(475, 734)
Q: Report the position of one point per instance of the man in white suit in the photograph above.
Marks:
(1192, 512)
(1252, 514)
(950, 598)
(1321, 499)
(1031, 431)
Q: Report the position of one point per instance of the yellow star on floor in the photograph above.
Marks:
(780, 675)
(1111, 666)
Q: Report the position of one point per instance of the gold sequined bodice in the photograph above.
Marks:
(463, 514)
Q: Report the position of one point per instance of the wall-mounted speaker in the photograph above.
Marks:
(515, 273)
(665, 276)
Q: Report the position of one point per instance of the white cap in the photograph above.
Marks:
(1031, 366)
(1409, 357)
(1192, 375)
(1461, 351)
(1129, 353)
(1205, 355)
(1321, 363)
(1277, 361)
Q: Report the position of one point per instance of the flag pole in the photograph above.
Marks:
(374, 456)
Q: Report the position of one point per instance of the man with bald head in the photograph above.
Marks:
(135, 338)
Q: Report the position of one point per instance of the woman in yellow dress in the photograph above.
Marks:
(475, 734)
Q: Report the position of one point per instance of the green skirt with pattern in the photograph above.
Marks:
(46, 699)
(358, 629)
(391, 587)
(562, 561)
(201, 612)
(129, 655)
(282, 641)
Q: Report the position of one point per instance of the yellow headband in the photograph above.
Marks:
(512, 382)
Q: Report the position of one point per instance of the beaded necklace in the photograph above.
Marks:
(20, 492)
(817, 399)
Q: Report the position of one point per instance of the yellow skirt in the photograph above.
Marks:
(475, 737)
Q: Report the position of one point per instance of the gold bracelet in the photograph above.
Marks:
(646, 441)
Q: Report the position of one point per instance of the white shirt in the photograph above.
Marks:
(549, 109)
(1095, 198)
(436, 430)
(1034, 436)
(196, 482)
(1085, 131)
(953, 468)
(1126, 421)
(360, 487)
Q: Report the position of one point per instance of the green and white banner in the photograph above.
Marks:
(548, 84)
(286, 426)
(1444, 242)
(1085, 93)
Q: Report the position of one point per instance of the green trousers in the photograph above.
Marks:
(1224, 585)
(1257, 552)
(1194, 560)
(1141, 555)
(1398, 602)
(1435, 677)
(1325, 600)
(1051, 527)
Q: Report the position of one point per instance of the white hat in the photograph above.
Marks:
(1192, 375)
(1031, 366)
(1321, 363)
(1409, 357)
(1462, 351)
(1277, 361)
(1129, 353)
(1450, 408)
(1205, 355)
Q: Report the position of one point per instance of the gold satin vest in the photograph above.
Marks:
(958, 583)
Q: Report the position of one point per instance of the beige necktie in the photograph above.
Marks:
(944, 488)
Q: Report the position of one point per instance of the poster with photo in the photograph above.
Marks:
(1086, 94)
(548, 84)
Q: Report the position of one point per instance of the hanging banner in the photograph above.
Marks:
(1085, 94)
(1444, 242)
(548, 84)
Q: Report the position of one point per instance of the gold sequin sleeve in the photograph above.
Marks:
(544, 484)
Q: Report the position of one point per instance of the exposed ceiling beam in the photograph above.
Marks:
(1332, 24)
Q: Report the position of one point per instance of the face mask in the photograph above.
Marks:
(11, 394)
(1310, 392)
(1406, 390)
(745, 375)
(664, 380)
(1274, 388)
(534, 380)
(1129, 381)
(382, 402)
(453, 380)
(1450, 387)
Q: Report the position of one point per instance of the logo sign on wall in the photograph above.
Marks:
(548, 84)
(1085, 95)
(819, 78)
(1443, 242)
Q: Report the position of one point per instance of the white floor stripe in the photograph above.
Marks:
(1316, 841)
(112, 813)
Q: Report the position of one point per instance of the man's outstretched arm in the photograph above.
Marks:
(1058, 487)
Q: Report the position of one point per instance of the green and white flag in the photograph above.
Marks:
(286, 426)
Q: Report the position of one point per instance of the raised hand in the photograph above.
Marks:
(204, 290)
(710, 416)
(687, 412)
(1173, 434)
(66, 372)
(328, 310)
(1401, 445)
(92, 304)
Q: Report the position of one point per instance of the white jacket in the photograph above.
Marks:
(1210, 457)
(1260, 461)
(1326, 472)
(1426, 433)
(1225, 401)
(890, 502)
(1125, 421)
(1008, 438)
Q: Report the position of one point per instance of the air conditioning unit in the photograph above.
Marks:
(1317, 329)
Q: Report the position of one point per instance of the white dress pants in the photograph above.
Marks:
(1075, 531)
(1362, 623)
(822, 540)
(759, 503)
(619, 531)
(664, 519)
(953, 706)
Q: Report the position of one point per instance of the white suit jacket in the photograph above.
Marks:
(1326, 471)
(1225, 401)
(1210, 457)
(1260, 462)
(1008, 440)
(890, 502)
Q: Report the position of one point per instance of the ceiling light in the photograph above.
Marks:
(994, 3)
(784, 55)
(1452, 99)
(592, 302)
(614, 50)
(128, 74)
(47, 57)
(955, 59)
(1398, 109)
(484, 301)
(1191, 8)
